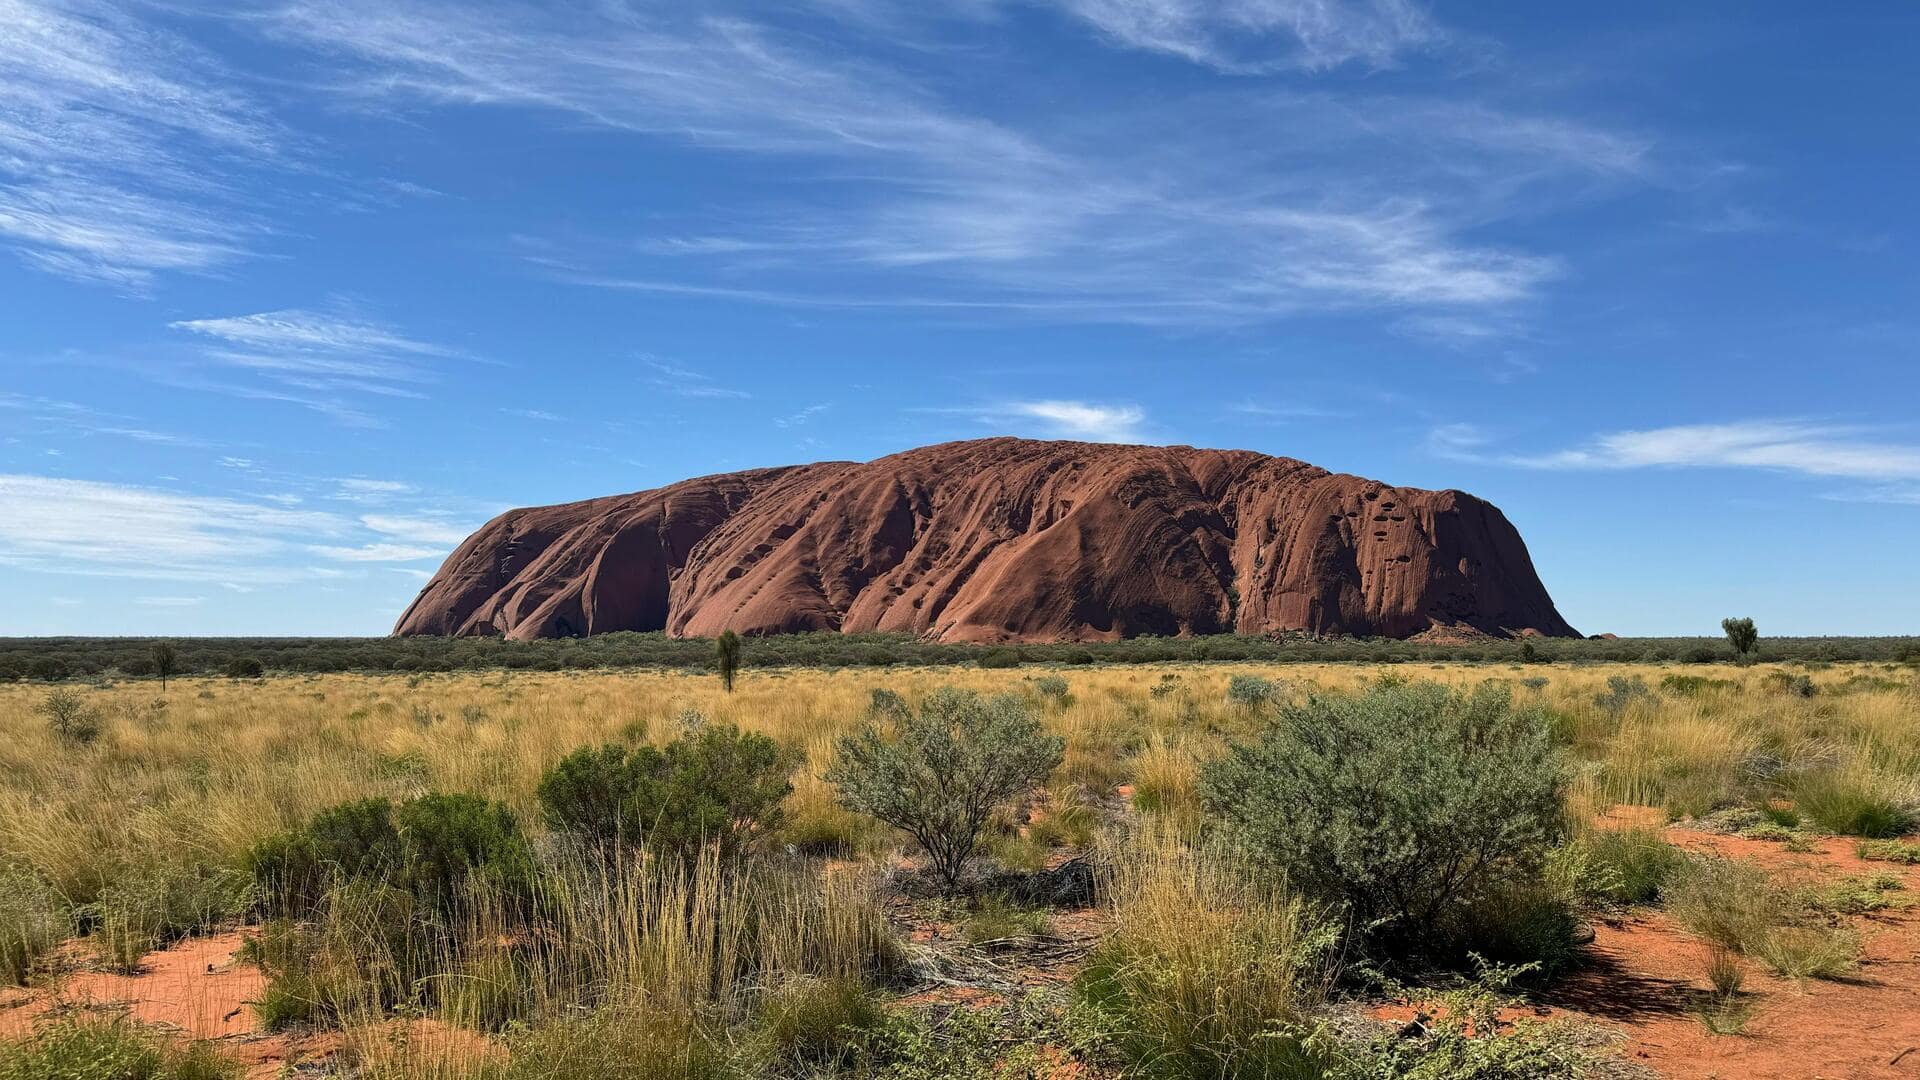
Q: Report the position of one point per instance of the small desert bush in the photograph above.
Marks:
(109, 1050)
(436, 847)
(1054, 689)
(714, 785)
(1399, 804)
(1209, 971)
(940, 778)
(996, 919)
(1462, 1037)
(1250, 691)
(621, 1042)
(70, 718)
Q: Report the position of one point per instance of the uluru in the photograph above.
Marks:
(1001, 540)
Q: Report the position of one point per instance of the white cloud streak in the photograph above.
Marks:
(1259, 36)
(325, 362)
(89, 527)
(1788, 445)
(1071, 419)
(1796, 446)
(1267, 206)
(116, 142)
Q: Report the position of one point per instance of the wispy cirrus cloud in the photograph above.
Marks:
(1260, 36)
(1270, 206)
(681, 381)
(117, 142)
(330, 363)
(90, 527)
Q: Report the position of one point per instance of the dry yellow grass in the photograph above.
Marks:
(201, 773)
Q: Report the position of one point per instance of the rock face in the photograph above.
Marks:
(1000, 540)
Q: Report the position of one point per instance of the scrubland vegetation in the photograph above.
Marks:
(1164, 871)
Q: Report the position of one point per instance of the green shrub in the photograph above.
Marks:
(1250, 691)
(947, 770)
(1000, 658)
(434, 846)
(716, 785)
(244, 667)
(33, 921)
(70, 718)
(109, 1050)
(887, 706)
(1054, 688)
(1850, 803)
(1399, 803)
(354, 840)
(451, 841)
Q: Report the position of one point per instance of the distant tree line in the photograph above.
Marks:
(57, 659)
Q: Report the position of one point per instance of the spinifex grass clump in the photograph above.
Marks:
(1401, 805)
(1211, 970)
(1740, 907)
(110, 1050)
(33, 920)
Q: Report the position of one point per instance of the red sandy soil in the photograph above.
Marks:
(1648, 971)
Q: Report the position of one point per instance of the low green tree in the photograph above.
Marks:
(726, 657)
(940, 776)
(166, 660)
(1741, 635)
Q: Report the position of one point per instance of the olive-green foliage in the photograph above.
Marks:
(715, 785)
(1463, 1038)
(886, 705)
(451, 841)
(33, 920)
(1740, 634)
(1250, 691)
(361, 950)
(1893, 851)
(435, 847)
(70, 718)
(726, 657)
(620, 1043)
(945, 771)
(58, 658)
(1398, 803)
(354, 840)
(244, 667)
(109, 1050)
(1739, 906)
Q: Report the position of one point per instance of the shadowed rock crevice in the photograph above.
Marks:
(1000, 540)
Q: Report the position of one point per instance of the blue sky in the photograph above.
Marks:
(293, 295)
